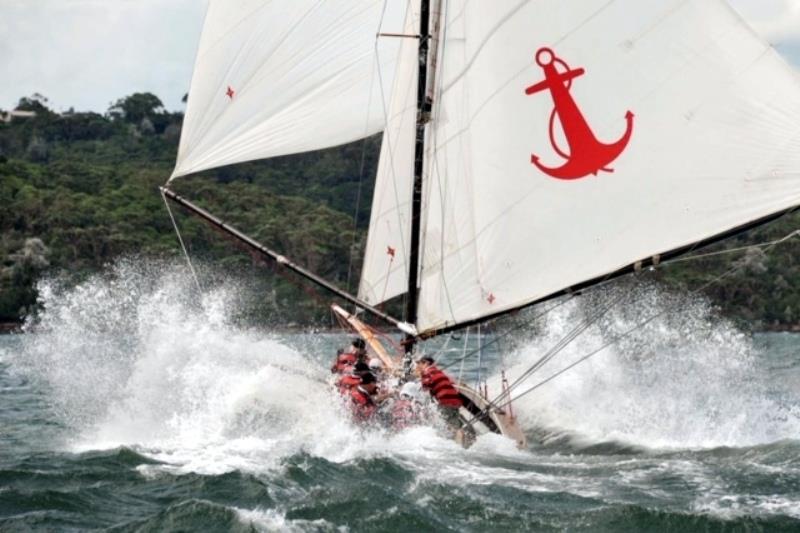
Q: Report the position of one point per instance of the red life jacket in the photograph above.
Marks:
(347, 382)
(363, 405)
(441, 387)
(343, 362)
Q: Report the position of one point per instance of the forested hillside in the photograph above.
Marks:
(80, 190)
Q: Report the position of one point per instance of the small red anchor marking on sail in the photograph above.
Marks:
(391, 251)
(586, 154)
(230, 92)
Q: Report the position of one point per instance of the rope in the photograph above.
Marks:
(444, 349)
(364, 148)
(581, 360)
(386, 284)
(364, 154)
(355, 211)
(565, 341)
(463, 351)
(769, 245)
(435, 174)
(480, 360)
(508, 332)
(501, 351)
(183, 245)
(389, 146)
(734, 250)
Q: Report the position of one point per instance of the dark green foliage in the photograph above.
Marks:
(136, 107)
(36, 103)
(759, 286)
(86, 186)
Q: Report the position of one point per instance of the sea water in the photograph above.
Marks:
(132, 404)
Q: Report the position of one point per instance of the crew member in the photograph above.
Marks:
(406, 409)
(441, 389)
(376, 367)
(344, 361)
(359, 348)
(357, 351)
(352, 378)
(363, 398)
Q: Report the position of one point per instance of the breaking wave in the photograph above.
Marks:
(132, 357)
(682, 378)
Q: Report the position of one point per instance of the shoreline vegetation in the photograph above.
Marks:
(15, 328)
(10, 327)
(79, 192)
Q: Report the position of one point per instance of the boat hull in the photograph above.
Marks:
(484, 418)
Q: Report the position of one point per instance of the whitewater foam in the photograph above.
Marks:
(131, 359)
(687, 379)
(274, 520)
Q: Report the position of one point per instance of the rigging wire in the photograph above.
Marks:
(733, 250)
(356, 210)
(444, 348)
(501, 351)
(464, 350)
(364, 144)
(480, 360)
(503, 367)
(565, 341)
(388, 276)
(390, 147)
(436, 174)
(509, 331)
(183, 245)
(614, 340)
(494, 403)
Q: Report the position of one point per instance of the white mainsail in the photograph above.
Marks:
(698, 118)
(280, 77)
(570, 138)
(384, 273)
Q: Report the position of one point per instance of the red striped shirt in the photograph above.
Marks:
(441, 387)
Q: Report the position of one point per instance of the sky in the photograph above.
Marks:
(86, 54)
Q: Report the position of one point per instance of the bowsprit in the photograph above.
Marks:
(586, 154)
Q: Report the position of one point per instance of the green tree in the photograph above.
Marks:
(136, 107)
(17, 277)
(36, 103)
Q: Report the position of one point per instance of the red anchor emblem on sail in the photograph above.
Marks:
(586, 154)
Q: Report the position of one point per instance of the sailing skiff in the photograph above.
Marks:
(531, 149)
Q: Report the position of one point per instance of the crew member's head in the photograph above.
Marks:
(360, 368)
(375, 365)
(423, 363)
(359, 346)
(410, 390)
(368, 383)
